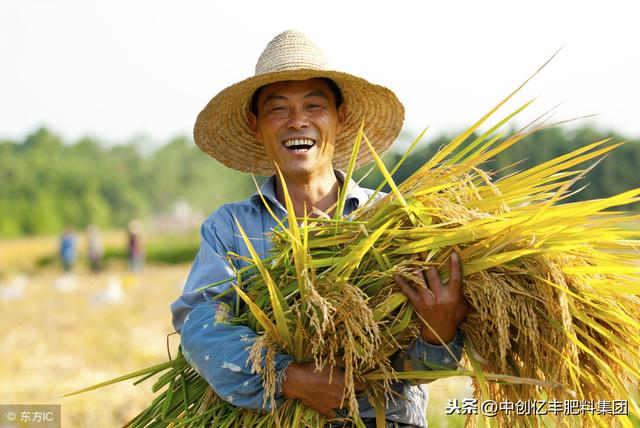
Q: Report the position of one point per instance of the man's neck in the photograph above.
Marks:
(319, 191)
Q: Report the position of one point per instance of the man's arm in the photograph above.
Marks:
(215, 348)
(424, 355)
(218, 352)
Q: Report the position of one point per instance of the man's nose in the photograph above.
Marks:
(297, 119)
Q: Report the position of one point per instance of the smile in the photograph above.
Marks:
(300, 144)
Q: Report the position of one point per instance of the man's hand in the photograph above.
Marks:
(441, 306)
(313, 389)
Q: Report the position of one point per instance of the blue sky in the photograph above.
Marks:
(119, 70)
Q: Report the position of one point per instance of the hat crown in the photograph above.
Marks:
(291, 50)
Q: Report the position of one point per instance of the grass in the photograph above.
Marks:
(163, 249)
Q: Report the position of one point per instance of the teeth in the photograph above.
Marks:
(301, 142)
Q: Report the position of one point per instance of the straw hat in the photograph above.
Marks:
(222, 128)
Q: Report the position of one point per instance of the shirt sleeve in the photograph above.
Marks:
(215, 348)
(427, 356)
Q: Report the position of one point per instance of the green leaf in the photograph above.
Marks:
(278, 304)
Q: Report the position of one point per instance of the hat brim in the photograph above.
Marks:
(222, 127)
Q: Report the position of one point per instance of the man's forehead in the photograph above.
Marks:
(309, 87)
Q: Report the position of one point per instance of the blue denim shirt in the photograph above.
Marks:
(218, 350)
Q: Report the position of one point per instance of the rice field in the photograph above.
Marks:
(60, 333)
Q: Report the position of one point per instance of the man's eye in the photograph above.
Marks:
(278, 109)
(314, 106)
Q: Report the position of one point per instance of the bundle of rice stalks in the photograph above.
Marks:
(555, 287)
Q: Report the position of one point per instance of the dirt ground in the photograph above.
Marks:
(61, 333)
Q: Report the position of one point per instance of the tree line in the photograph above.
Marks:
(46, 184)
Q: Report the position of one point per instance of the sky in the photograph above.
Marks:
(124, 70)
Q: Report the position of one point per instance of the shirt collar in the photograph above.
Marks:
(268, 190)
(356, 192)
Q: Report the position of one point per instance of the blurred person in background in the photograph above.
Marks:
(135, 249)
(68, 249)
(95, 249)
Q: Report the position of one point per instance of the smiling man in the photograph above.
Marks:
(299, 115)
(297, 122)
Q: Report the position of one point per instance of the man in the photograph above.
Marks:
(299, 115)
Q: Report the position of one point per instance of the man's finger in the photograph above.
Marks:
(424, 290)
(455, 276)
(435, 284)
(406, 288)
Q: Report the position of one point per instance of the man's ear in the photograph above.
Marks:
(253, 124)
(342, 114)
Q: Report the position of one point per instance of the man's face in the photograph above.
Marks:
(298, 122)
